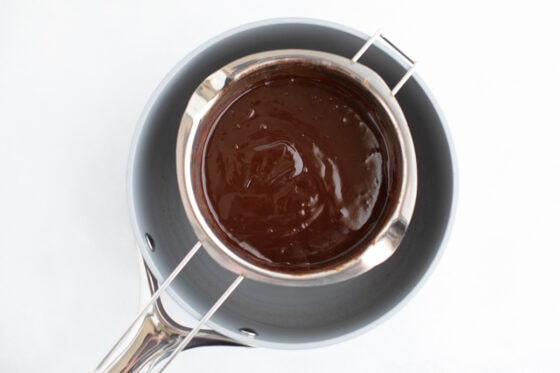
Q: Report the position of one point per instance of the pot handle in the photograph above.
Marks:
(153, 340)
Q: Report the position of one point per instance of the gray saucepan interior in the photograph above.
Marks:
(286, 317)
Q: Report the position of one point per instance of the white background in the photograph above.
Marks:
(74, 78)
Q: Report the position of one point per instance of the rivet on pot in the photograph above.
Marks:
(150, 242)
(248, 332)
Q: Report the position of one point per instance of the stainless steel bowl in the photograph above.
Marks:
(208, 94)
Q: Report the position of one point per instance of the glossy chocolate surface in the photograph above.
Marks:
(298, 168)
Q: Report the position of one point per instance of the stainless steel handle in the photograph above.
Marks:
(153, 339)
(409, 61)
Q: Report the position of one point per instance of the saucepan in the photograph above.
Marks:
(270, 313)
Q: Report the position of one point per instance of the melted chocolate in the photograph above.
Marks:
(297, 170)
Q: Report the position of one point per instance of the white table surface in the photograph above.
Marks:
(74, 77)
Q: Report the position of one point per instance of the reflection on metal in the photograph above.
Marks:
(248, 332)
(150, 242)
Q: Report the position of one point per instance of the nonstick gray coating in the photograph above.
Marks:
(286, 317)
